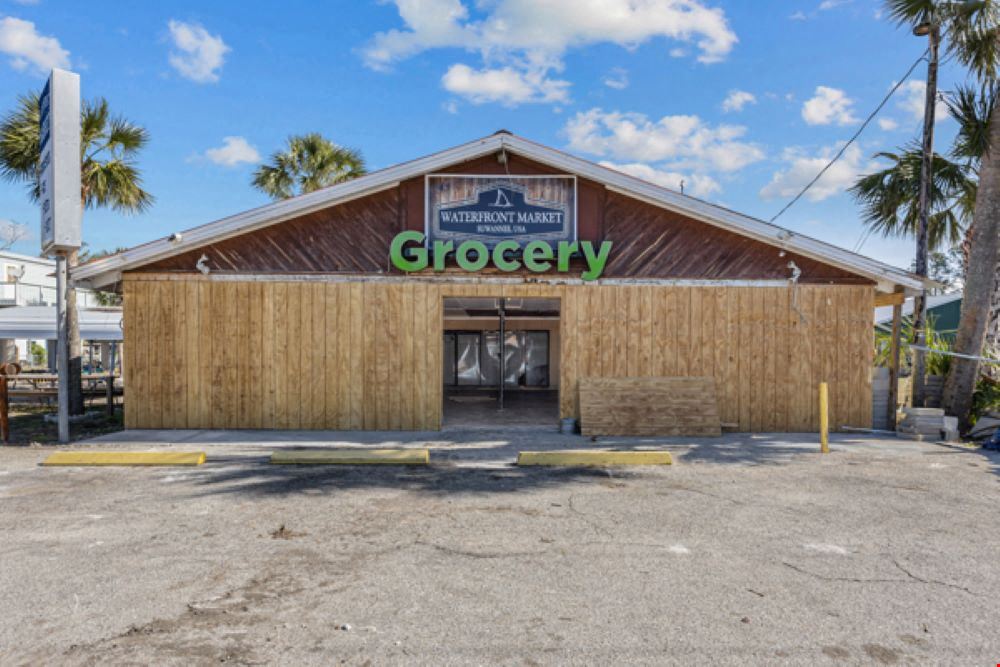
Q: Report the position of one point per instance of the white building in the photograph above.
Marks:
(31, 281)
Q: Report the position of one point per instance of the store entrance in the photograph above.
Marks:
(501, 359)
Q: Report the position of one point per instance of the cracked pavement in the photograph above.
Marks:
(746, 550)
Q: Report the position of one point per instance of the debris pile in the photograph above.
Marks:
(927, 424)
(987, 429)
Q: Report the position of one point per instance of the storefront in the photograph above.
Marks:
(497, 273)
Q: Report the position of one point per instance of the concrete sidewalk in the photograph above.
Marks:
(499, 447)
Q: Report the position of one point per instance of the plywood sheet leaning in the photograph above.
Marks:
(649, 406)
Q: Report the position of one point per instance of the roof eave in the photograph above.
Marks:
(108, 270)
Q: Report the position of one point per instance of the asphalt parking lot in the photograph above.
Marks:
(747, 550)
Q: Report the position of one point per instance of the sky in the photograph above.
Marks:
(743, 102)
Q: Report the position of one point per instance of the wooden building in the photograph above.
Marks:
(294, 315)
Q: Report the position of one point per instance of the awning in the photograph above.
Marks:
(39, 323)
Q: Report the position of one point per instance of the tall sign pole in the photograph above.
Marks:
(61, 204)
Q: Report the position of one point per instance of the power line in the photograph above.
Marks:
(857, 134)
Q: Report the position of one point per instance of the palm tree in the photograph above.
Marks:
(309, 162)
(973, 108)
(971, 33)
(109, 146)
(976, 44)
(889, 197)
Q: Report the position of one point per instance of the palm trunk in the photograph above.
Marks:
(980, 299)
(76, 406)
(991, 348)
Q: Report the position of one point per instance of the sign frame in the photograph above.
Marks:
(59, 161)
(572, 178)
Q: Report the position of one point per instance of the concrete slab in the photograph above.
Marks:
(352, 456)
(594, 458)
(498, 447)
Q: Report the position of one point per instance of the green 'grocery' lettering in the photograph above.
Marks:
(408, 253)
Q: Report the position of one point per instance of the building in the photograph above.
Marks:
(380, 303)
(943, 310)
(30, 282)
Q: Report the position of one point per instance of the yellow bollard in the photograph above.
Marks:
(824, 419)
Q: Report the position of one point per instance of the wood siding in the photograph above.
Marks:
(652, 242)
(209, 353)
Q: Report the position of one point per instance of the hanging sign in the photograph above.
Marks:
(59, 166)
(491, 209)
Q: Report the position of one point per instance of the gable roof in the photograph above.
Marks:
(109, 269)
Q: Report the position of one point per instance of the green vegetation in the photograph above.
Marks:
(308, 163)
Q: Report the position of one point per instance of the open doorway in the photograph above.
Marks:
(501, 361)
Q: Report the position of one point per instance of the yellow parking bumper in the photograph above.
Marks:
(125, 459)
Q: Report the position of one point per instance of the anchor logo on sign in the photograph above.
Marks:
(502, 200)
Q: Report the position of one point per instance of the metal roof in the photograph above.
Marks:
(39, 323)
(108, 270)
(883, 314)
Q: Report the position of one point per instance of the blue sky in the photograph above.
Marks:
(743, 101)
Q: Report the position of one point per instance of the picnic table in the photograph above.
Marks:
(37, 379)
(46, 385)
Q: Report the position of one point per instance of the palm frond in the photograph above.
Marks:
(972, 109)
(109, 177)
(19, 137)
(125, 138)
(115, 184)
(888, 198)
(308, 163)
(910, 12)
(972, 32)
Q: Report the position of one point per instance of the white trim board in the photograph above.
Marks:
(463, 279)
(106, 271)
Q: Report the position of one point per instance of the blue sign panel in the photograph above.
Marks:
(492, 209)
(44, 126)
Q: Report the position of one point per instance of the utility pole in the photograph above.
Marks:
(933, 32)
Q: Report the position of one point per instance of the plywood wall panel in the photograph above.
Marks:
(367, 355)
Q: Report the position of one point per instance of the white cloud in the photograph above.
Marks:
(683, 142)
(533, 37)
(798, 16)
(617, 78)
(829, 105)
(199, 55)
(887, 124)
(505, 85)
(698, 185)
(737, 99)
(26, 47)
(832, 4)
(911, 98)
(233, 152)
(552, 27)
(803, 167)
